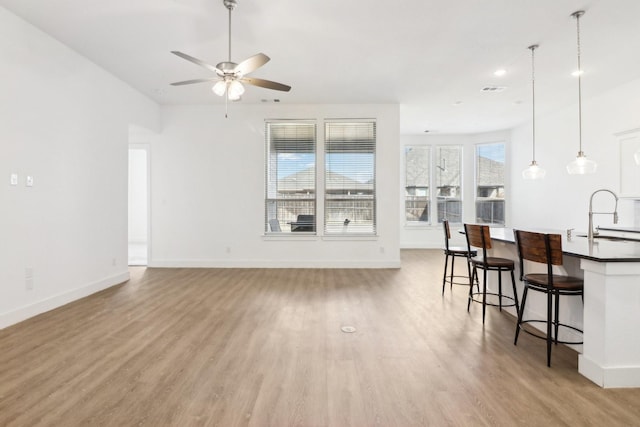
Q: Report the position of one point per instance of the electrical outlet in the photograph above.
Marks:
(29, 181)
(14, 179)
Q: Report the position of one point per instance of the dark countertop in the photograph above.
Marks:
(622, 229)
(600, 250)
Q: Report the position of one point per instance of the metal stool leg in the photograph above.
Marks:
(484, 293)
(557, 316)
(453, 263)
(444, 277)
(500, 288)
(473, 275)
(549, 321)
(515, 293)
(524, 301)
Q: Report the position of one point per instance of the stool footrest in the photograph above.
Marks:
(473, 298)
(455, 282)
(538, 333)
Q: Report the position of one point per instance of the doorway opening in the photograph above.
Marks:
(138, 237)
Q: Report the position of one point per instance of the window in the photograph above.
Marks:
(448, 173)
(290, 204)
(350, 191)
(417, 177)
(490, 178)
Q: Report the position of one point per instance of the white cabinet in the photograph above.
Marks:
(629, 163)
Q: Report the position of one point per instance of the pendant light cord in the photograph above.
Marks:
(577, 15)
(533, 103)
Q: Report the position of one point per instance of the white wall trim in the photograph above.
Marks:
(609, 377)
(255, 263)
(53, 302)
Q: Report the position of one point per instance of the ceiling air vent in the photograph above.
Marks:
(493, 89)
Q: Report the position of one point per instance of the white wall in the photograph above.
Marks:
(561, 201)
(208, 184)
(432, 236)
(64, 122)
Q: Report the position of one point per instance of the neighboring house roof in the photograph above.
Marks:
(303, 181)
(492, 172)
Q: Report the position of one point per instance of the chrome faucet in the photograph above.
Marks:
(591, 212)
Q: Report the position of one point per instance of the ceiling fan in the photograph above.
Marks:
(229, 75)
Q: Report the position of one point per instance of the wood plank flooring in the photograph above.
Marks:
(260, 347)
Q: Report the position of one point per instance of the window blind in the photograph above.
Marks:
(350, 187)
(417, 179)
(490, 180)
(290, 203)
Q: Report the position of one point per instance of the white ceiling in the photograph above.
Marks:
(426, 55)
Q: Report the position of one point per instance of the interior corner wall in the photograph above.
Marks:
(208, 190)
(431, 235)
(65, 122)
(561, 201)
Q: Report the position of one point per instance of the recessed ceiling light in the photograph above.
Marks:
(500, 72)
(577, 73)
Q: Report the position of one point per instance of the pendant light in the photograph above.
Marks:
(581, 165)
(533, 171)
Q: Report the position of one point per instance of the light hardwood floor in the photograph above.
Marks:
(227, 347)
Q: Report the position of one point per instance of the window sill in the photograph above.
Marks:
(289, 236)
(346, 237)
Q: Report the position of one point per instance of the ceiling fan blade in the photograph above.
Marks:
(197, 61)
(251, 64)
(266, 84)
(189, 82)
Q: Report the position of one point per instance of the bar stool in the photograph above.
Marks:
(545, 249)
(453, 252)
(478, 236)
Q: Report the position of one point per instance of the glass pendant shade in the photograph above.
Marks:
(581, 165)
(219, 88)
(235, 90)
(534, 171)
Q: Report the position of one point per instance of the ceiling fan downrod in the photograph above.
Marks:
(230, 5)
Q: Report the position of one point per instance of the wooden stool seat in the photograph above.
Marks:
(495, 262)
(558, 281)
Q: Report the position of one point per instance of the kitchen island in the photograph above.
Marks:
(611, 313)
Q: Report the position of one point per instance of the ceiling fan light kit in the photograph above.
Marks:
(230, 76)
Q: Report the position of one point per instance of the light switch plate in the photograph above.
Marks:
(14, 179)
(29, 181)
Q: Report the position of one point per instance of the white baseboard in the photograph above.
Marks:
(610, 376)
(194, 263)
(50, 303)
